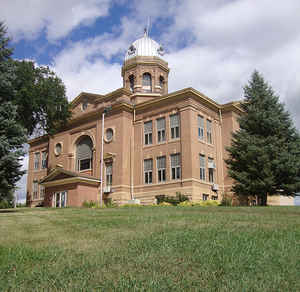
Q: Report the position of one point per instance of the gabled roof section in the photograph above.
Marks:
(84, 95)
(59, 176)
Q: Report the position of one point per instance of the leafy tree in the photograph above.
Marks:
(264, 157)
(41, 98)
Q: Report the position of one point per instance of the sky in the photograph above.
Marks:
(211, 45)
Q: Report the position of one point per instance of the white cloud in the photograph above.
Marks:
(27, 19)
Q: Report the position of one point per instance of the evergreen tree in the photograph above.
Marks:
(264, 157)
(12, 134)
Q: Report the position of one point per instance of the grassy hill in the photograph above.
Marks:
(150, 249)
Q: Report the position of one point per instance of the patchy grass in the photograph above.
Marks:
(150, 249)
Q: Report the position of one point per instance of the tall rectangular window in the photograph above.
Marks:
(211, 167)
(200, 127)
(35, 190)
(205, 197)
(208, 130)
(148, 132)
(148, 168)
(175, 166)
(161, 130)
(161, 168)
(44, 159)
(202, 167)
(174, 125)
(42, 192)
(37, 160)
(108, 171)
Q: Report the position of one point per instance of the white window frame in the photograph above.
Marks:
(205, 197)
(161, 132)
(200, 127)
(36, 162)
(175, 129)
(44, 159)
(175, 169)
(109, 174)
(148, 174)
(209, 131)
(35, 190)
(60, 199)
(42, 192)
(148, 134)
(202, 167)
(161, 171)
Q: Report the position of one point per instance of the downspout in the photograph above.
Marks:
(221, 140)
(131, 156)
(180, 130)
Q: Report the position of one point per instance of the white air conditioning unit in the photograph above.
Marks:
(107, 189)
(211, 165)
(215, 187)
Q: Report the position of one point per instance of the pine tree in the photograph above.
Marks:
(12, 134)
(264, 157)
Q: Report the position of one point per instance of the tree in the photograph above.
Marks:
(12, 134)
(41, 98)
(264, 157)
(12, 138)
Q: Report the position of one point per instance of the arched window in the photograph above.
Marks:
(161, 83)
(131, 83)
(84, 153)
(147, 82)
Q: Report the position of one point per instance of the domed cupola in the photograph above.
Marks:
(144, 72)
(144, 46)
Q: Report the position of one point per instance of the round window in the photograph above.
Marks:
(58, 148)
(84, 105)
(109, 134)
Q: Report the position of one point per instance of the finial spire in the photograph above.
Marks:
(145, 32)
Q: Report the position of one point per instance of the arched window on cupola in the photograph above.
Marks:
(84, 154)
(147, 82)
(131, 82)
(161, 83)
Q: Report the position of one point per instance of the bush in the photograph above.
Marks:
(92, 204)
(165, 204)
(109, 203)
(173, 200)
(4, 204)
(226, 200)
(186, 204)
(209, 203)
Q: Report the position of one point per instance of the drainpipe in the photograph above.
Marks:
(222, 168)
(132, 156)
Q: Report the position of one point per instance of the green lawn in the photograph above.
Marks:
(151, 249)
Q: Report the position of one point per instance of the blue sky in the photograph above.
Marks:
(211, 45)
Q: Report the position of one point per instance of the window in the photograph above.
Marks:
(175, 166)
(35, 190)
(161, 168)
(214, 198)
(204, 197)
(200, 128)
(148, 167)
(211, 170)
(44, 159)
(147, 82)
(174, 124)
(208, 129)
(84, 153)
(161, 82)
(109, 135)
(60, 199)
(37, 160)
(58, 149)
(131, 83)
(202, 167)
(42, 192)
(84, 105)
(108, 171)
(148, 132)
(161, 130)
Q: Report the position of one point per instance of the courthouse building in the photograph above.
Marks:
(155, 142)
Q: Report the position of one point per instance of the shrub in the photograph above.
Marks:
(210, 203)
(173, 200)
(4, 204)
(186, 204)
(109, 203)
(165, 204)
(92, 204)
(226, 200)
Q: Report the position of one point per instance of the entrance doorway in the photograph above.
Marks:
(60, 199)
